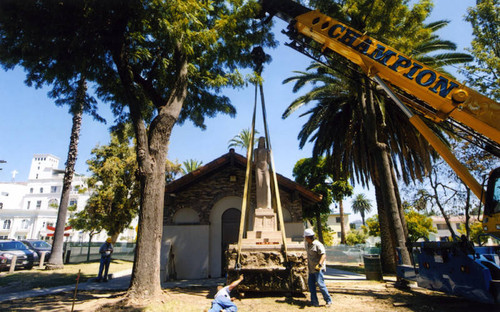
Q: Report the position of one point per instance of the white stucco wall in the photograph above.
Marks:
(216, 231)
(190, 248)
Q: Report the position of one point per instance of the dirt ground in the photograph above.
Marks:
(351, 296)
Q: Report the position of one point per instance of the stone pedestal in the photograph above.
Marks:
(266, 270)
(263, 261)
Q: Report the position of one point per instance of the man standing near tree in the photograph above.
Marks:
(106, 250)
(316, 265)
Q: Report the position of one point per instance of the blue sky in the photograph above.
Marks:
(30, 122)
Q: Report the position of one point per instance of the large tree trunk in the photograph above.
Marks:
(383, 170)
(151, 156)
(56, 256)
(386, 238)
(342, 227)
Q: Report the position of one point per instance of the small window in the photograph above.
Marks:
(6, 224)
(458, 226)
(1, 205)
(337, 219)
(25, 224)
(31, 190)
(38, 204)
(36, 176)
(441, 226)
(53, 189)
(28, 205)
(73, 202)
(339, 234)
(4, 237)
(41, 190)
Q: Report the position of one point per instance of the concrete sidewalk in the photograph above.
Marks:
(121, 281)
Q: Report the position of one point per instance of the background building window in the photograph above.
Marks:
(1, 205)
(53, 189)
(6, 224)
(337, 219)
(28, 205)
(441, 226)
(31, 190)
(38, 204)
(41, 190)
(24, 224)
(73, 202)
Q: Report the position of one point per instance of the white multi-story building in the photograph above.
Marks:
(27, 209)
(334, 224)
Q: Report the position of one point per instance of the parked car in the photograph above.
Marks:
(26, 258)
(39, 246)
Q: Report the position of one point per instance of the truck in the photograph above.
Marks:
(457, 267)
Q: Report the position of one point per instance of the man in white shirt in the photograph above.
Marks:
(316, 265)
(223, 301)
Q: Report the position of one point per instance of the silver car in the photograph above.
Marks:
(26, 258)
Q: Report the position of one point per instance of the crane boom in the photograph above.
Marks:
(434, 95)
(447, 97)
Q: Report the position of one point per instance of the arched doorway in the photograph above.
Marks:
(230, 227)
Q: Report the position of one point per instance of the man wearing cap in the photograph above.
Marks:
(106, 250)
(316, 258)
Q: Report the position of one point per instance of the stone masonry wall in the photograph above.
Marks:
(202, 195)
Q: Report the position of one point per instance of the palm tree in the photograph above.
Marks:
(361, 205)
(242, 139)
(363, 134)
(190, 165)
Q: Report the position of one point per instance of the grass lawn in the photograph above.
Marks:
(39, 278)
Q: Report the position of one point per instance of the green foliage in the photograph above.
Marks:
(115, 200)
(476, 229)
(328, 236)
(355, 237)
(172, 169)
(311, 173)
(361, 205)
(419, 225)
(373, 226)
(242, 139)
(485, 73)
(190, 165)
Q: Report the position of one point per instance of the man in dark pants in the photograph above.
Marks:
(106, 250)
(316, 265)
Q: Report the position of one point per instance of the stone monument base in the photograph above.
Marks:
(266, 270)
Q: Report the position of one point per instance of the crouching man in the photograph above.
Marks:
(223, 301)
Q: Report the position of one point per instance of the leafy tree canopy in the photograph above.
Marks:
(115, 200)
(485, 73)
